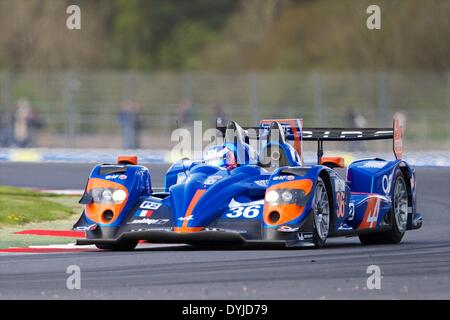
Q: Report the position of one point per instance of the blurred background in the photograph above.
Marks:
(139, 69)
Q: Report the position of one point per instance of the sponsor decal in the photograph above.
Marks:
(398, 137)
(339, 185)
(153, 229)
(340, 200)
(116, 176)
(226, 230)
(386, 183)
(351, 211)
(212, 179)
(371, 214)
(287, 229)
(281, 178)
(150, 205)
(373, 165)
(304, 236)
(149, 221)
(262, 183)
(234, 204)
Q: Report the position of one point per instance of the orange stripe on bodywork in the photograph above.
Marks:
(287, 212)
(198, 194)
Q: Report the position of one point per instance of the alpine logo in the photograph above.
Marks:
(188, 218)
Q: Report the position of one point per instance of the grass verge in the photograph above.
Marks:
(22, 209)
(21, 206)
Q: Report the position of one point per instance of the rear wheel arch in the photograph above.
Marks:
(405, 170)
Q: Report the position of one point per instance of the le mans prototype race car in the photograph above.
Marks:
(237, 195)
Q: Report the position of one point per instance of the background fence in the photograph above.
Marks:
(81, 109)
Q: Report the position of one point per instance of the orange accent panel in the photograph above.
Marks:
(338, 161)
(94, 211)
(187, 229)
(127, 159)
(304, 184)
(287, 212)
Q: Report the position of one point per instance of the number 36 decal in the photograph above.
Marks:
(249, 212)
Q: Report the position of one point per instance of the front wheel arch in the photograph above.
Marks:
(324, 180)
(324, 175)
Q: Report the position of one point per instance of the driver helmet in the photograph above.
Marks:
(220, 156)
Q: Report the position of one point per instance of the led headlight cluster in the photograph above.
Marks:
(286, 196)
(108, 195)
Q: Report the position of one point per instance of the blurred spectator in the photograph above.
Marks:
(129, 118)
(27, 123)
(219, 117)
(185, 116)
(6, 129)
(355, 120)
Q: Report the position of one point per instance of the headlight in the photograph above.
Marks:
(272, 196)
(108, 196)
(119, 196)
(287, 196)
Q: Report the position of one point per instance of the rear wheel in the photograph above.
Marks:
(321, 212)
(399, 216)
(123, 246)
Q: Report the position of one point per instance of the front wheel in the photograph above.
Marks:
(399, 216)
(123, 246)
(321, 211)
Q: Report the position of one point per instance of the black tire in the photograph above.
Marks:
(123, 246)
(320, 237)
(396, 233)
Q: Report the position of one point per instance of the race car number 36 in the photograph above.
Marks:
(249, 212)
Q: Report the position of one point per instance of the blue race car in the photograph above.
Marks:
(237, 195)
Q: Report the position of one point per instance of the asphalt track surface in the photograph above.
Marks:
(418, 268)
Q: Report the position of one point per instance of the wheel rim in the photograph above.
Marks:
(401, 204)
(321, 211)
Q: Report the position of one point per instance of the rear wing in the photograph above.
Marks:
(296, 133)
